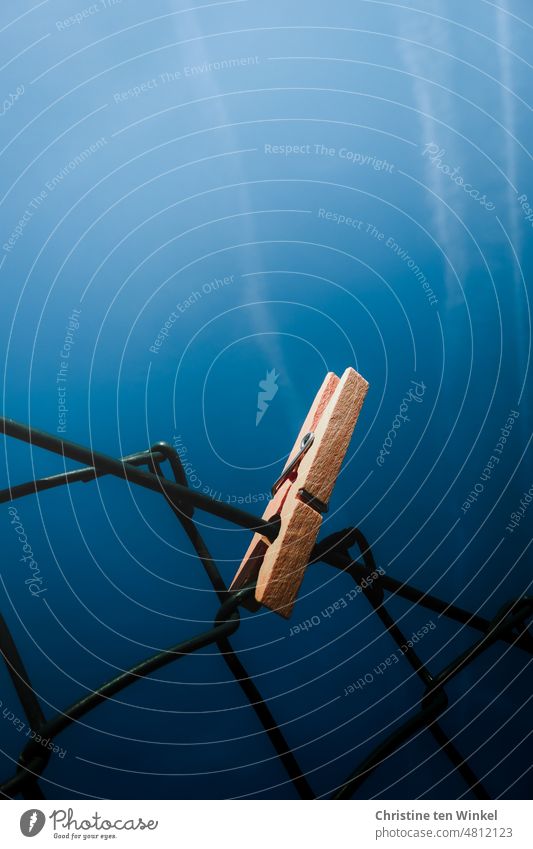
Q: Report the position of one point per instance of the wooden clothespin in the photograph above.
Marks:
(302, 493)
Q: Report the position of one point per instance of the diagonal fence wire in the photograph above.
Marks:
(509, 625)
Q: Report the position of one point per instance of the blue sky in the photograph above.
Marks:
(216, 191)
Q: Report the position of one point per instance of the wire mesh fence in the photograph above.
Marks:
(509, 626)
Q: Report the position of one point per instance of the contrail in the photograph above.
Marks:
(427, 30)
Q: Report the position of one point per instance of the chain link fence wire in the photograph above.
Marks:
(509, 626)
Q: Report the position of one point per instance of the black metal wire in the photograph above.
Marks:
(19, 676)
(434, 701)
(34, 757)
(440, 736)
(121, 469)
(510, 624)
(233, 662)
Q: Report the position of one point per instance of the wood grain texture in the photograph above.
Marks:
(252, 561)
(324, 394)
(285, 560)
(279, 567)
(320, 467)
